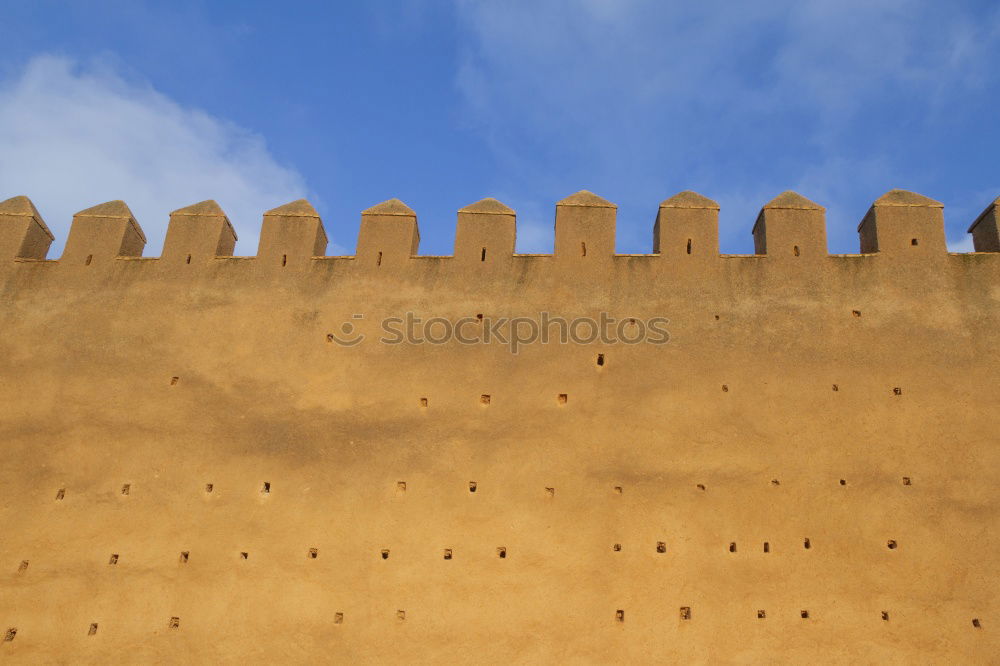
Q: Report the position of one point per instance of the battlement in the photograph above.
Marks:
(209, 458)
(903, 227)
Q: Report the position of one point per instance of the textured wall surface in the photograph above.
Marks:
(178, 433)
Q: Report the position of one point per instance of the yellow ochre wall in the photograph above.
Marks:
(797, 392)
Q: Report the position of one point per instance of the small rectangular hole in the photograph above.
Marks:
(284, 260)
(189, 259)
(885, 616)
(976, 623)
(482, 257)
(401, 486)
(338, 618)
(795, 250)
(562, 398)
(501, 552)
(725, 388)
(174, 380)
(93, 629)
(689, 246)
(126, 488)
(600, 359)
(856, 313)
(897, 391)
(209, 487)
(378, 261)
(423, 402)
(9, 636)
(913, 241)
(806, 543)
(761, 615)
(385, 553)
(313, 553)
(184, 556)
(767, 547)
(113, 559)
(23, 566)
(685, 612)
(401, 614)
(89, 259)
(266, 488)
(617, 547)
(620, 615)
(618, 490)
(891, 544)
(906, 481)
(174, 622)
(244, 555)
(661, 547)
(472, 486)
(583, 249)
(60, 494)
(551, 492)
(484, 399)
(447, 553)
(732, 546)
(804, 614)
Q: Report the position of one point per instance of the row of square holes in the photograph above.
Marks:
(448, 553)
(338, 618)
(265, 489)
(563, 398)
(685, 614)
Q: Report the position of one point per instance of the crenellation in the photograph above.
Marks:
(198, 233)
(585, 229)
(23, 232)
(101, 233)
(389, 235)
(904, 224)
(485, 234)
(687, 227)
(290, 236)
(984, 229)
(791, 227)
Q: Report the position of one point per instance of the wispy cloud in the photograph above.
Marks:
(738, 100)
(74, 135)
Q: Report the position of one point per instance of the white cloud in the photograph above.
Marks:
(73, 136)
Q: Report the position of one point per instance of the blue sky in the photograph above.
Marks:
(441, 103)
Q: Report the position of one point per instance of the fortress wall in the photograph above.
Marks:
(778, 383)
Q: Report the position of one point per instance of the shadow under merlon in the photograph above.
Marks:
(788, 228)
